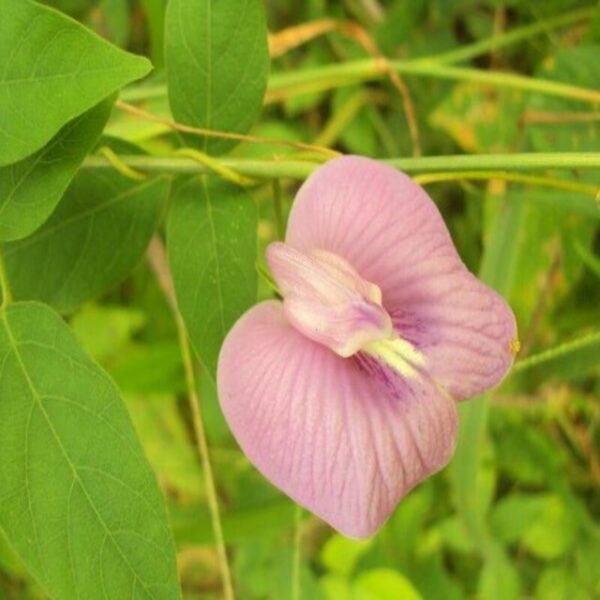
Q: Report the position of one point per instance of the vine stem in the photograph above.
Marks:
(4, 284)
(557, 351)
(551, 182)
(145, 92)
(158, 261)
(301, 169)
(296, 556)
(319, 79)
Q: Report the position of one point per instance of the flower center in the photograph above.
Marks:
(326, 299)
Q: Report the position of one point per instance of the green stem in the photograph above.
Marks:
(278, 209)
(199, 431)
(512, 37)
(297, 554)
(146, 92)
(560, 184)
(591, 339)
(281, 86)
(4, 285)
(297, 169)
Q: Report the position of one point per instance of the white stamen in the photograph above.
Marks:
(399, 354)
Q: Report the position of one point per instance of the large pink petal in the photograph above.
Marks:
(392, 233)
(322, 429)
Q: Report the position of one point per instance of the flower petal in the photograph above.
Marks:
(391, 232)
(323, 429)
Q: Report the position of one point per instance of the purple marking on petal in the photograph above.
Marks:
(383, 375)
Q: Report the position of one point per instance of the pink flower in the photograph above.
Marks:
(344, 394)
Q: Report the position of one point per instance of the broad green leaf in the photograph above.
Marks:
(53, 70)
(335, 587)
(553, 532)
(79, 501)
(558, 583)
(454, 535)
(217, 61)
(587, 556)
(340, 554)
(75, 8)
(513, 515)
(31, 188)
(97, 235)
(499, 579)
(432, 577)
(383, 584)
(212, 245)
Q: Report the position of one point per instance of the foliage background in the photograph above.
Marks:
(526, 525)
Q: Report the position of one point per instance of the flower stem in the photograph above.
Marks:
(158, 261)
(4, 285)
(297, 554)
(299, 169)
(199, 431)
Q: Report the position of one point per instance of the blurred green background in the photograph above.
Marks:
(516, 513)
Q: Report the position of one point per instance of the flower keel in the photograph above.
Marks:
(325, 299)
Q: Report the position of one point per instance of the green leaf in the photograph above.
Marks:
(383, 584)
(576, 66)
(79, 502)
(31, 188)
(212, 245)
(558, 583)
(340, 554)
(53, 70)
(513, 515)
(553, 533)
(217, 61)
(499, 579)
(97, 235)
